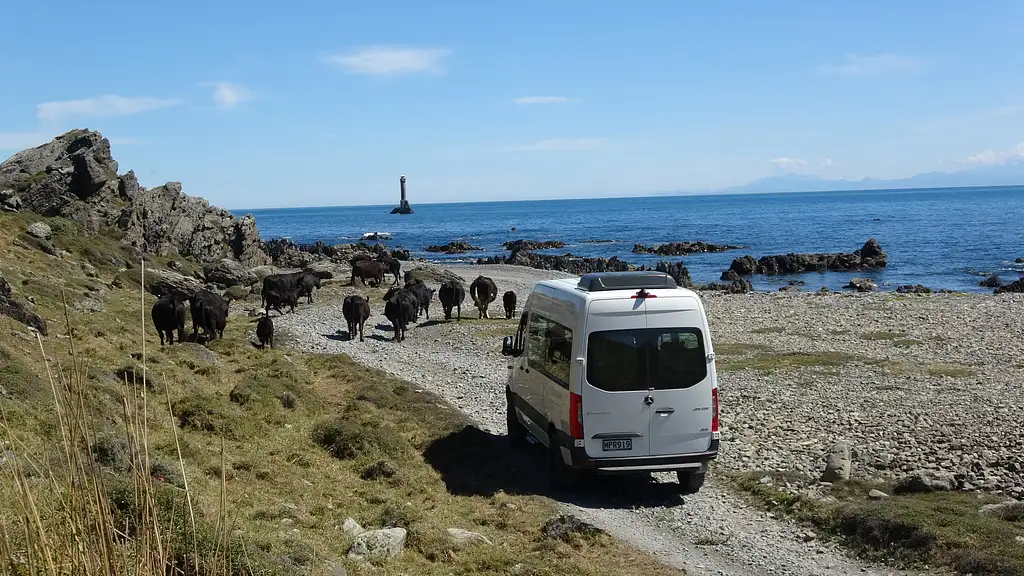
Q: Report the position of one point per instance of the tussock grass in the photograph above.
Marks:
(939, 529)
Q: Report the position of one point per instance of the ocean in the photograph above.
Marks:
(941, 238)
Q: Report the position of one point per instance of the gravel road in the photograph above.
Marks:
(712, 532)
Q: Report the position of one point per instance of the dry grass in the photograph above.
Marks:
(202, 431)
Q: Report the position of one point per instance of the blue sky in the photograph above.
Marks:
(261, 104)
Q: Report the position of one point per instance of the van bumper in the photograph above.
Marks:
(581, 460)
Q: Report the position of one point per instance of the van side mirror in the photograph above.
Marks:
(507, 347)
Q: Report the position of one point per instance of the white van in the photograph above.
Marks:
(615, 373)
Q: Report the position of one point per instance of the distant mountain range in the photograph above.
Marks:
(1009, 174)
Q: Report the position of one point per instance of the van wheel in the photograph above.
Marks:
(690, 481)
(516, 430)
(562, 476)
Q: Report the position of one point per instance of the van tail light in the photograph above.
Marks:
(714, 410)
(575, 415)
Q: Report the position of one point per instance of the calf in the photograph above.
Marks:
(401, 309)
(209, 314)
(483, 292)
(169, 315)
(451, 296)
(306, 284)
(356, 311)
(275, 299)
(265, 332)
(394, 266)
(509, 300)
(368, 270)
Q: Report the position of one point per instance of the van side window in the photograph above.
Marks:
(550, 349)
(519, 341)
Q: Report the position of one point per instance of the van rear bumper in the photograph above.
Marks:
(580, 459)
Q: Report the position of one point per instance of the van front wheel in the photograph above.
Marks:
(690, 481)
(516, 431)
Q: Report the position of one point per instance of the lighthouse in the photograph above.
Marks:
(403, 206)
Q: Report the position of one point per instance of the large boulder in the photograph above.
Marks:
(677, 271)
(924, 481)
(40, 230)
(378, 544)
(1017, 286)
(18, 311)
(228, 272)
(837, 463)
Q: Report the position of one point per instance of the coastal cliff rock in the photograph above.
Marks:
(513, 245)
(75, 176)
(683, 248)
(867, 257)
(455, 247)
(288, 254)
(565, 263)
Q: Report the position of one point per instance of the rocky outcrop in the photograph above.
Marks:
(914, 289)
(227, 272)
(861, 285)
(683, 248)
(288, 254)
(455, 247)
(13, 309)
(677, 271)
(1016, 286)
(737, 286)
(76, 177)
(993, 281)
(565, 263)
(513, 245)
(869, 256)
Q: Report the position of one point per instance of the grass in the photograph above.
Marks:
(736, 357)
(937, 529)
(226, 459)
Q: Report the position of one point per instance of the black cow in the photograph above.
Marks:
(356, 311)
(209, 313)
(265, 331)
(394, 266)
(423, 295)
(359, 258)
(280, 283)
(307, 282)
(277, 298)
(509, 300)
(451, 296)
(169, 315)
(368, 270)
(401, 309)
(483, 292)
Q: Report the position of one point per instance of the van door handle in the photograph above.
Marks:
(665, 411)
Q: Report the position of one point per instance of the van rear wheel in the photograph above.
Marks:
(516, 431)
(690, 481)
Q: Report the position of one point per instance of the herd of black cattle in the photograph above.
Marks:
(402, 305)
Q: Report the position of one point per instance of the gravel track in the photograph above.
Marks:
(713, 532)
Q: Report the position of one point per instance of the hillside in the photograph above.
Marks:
(219, 458)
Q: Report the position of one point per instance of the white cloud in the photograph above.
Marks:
(389, 60)
(107, 105)
(857, 65)
(826, 162)
(998, 157)
(562, 144)
(544, 100)
(789, 164)
(228, 94)
(21, 140)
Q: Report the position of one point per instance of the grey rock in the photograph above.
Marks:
(877, 495)
(40, 230)
(379, 544)
(464, 538)
(228, 272)
(323, 270)
(262, 272)
(837, 463)
(237, 292)
(1011, 510)
(351, 527)
(924, 481)
(861, 285)
(88, 304)
(13, 309)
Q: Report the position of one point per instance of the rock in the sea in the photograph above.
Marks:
(228, 272)
(454, 247)
(1019, 261)
(861, 285)
(737, 286)
(378, 544)
(837, 463)
(462, 538)
(40, 230)
(914, 289)
(565, 263)
(683, 248)
(924, 481)
(13, 309)
(1017, 286)
(677, 271)
(512, 245)
(867, 257)
(993, 281)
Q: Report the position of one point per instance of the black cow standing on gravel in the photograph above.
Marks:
(401, 310)
(356, 311)
(169, 315)
(307, 283)
(394, 266)
(368, 270)
(280, 283)
(483, 291)
(265, 332)
(277, 298)
(509, 301)
(451, 296)
(209, 314)
(423, 295)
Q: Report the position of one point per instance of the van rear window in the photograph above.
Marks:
(658, 358)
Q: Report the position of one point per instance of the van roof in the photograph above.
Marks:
(607, 285)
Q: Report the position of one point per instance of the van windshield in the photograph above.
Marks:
(657, 358)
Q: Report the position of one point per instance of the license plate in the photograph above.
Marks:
(620, 444)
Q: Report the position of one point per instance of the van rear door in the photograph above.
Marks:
(680, 375)
(616, 421)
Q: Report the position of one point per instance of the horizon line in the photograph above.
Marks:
(666, 194)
